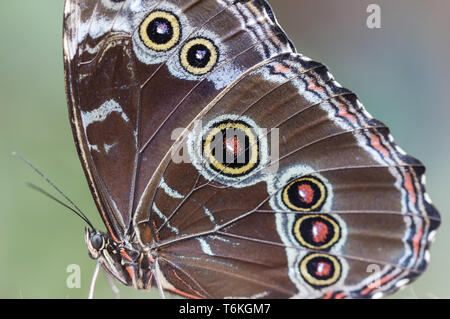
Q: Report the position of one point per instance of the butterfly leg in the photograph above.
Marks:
(158, 284)
(94, 280)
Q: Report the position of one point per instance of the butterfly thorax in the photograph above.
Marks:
(123, 261)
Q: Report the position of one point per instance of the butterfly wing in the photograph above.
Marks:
(125, 99)
(340, 211)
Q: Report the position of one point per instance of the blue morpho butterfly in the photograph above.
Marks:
(340, 211)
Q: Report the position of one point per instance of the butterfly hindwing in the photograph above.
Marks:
(361, 192)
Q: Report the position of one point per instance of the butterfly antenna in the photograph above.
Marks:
(74, 207)
(40, 190)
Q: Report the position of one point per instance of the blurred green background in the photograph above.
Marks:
(400, 73)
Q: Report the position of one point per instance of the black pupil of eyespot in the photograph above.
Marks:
(160, 31)
(317, 231)
(199, 56)
(304, 194)
(97, 241)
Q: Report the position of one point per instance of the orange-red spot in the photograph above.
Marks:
(323, 269)
(306, 193)
(319, 232)
(340, 295)
(409, 186)
(280, 68)
(328, 295)
(110, 231)
(416, 241)
(232, 145)
(343, 112)
(375, 142)
(376, 284)
(125, 254)
(313, 87)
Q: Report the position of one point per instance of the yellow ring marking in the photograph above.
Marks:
(212, 60)
(320, 282)
(220, 166)
(309, 179)
(174, 23)
(299, 236)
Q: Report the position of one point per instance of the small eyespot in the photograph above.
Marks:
(199, 56)
(160, 31)
(232, 148)
(97, 241)
(317, 231)
(305, 194)
(320, 270)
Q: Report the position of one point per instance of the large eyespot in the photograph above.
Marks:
(232, 148)
(317, 231)
(320, 270)
(160, 31)
(199, 56)
(305, 194)
(97, 241)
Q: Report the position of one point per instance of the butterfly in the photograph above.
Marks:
(226, 164)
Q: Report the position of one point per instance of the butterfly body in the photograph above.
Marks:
(226, 164)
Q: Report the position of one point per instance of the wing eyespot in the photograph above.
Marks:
(199, 56)
(160, 31)
(305, 194)
(317, 231)
(232, 148)
(320, 270)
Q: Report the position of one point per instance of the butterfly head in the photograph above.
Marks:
(96, 242)
(120, 260)
(104, 250)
